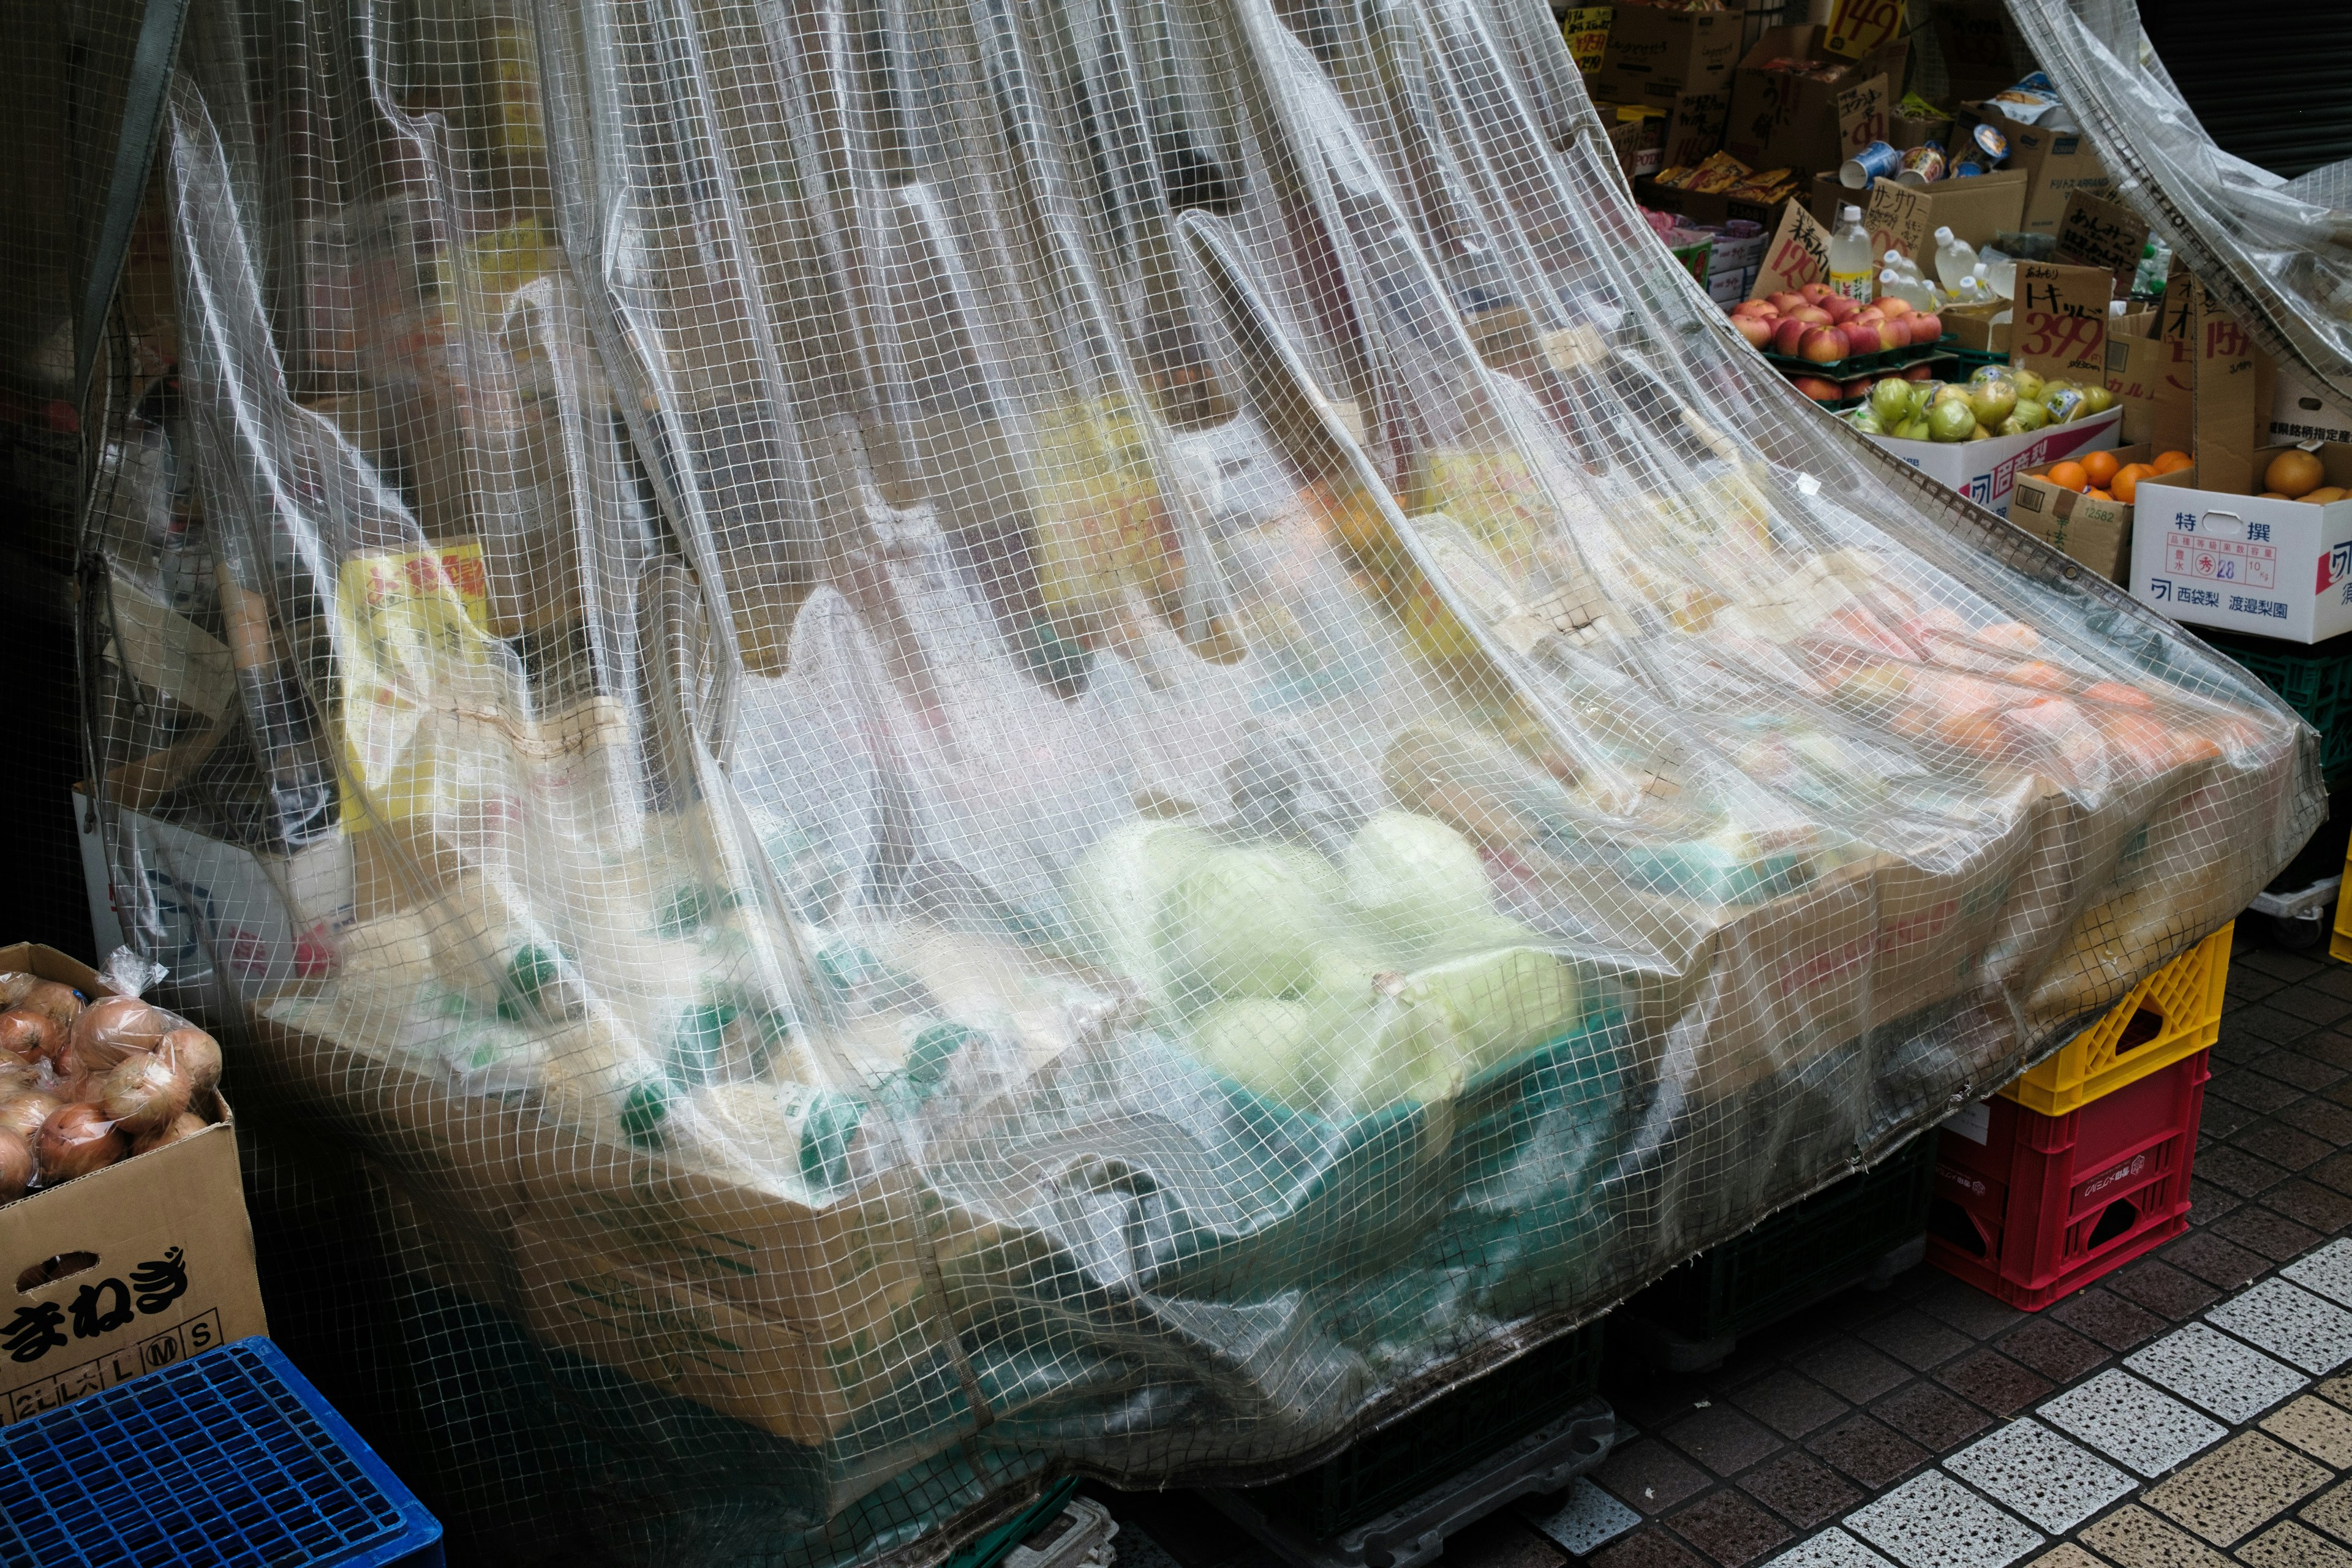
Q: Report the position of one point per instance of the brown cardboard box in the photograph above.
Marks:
(2216, 403)
(2056, 164)
(1780, 120)
(2060, 333)
(1972, 327)
(2095, 532)
(1708, 208)
(1655, 57)
(1973, 36)
(2138, 363)
(128, 1269)
(1695, 127)
(1906, 218)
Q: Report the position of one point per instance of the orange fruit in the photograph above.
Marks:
(2068, 475)
(2126, 481)
(2095, 493)
(2294, 472)
(2173, 462)
(2100, 468)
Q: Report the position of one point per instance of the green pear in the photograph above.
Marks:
(1951, 420)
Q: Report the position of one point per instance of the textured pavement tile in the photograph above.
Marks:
(1649, 1547)
(2066, 1554)
(1829, 1548)
(2279, 966)
(2272, 1140)
(1933, 1522)
(2335, 1172)
(1501, 1541)
(2322, 1119)
(1999, 1383)
(2326, 1272)
(2318, 1428)
(2332, 1511)
(2340, 1389)
(2260, 1021)
(1915, 1338)
(2289, 1545)
(2163, 1289)
(1868, 1451)
(2291, 1066)
(2290, 1322)
(2108, 1319)
(2260, 1095)
(2308, 1202)
(1932, 1418)
(1730, 1529)
(1801, 1489)
(1964, 1306)
(1789, 1403)
(2052, 1349)
(2277, 1238)
(1851, 1371)
(1649, 1477)
(2234, 1169)
(2208, 1203)
(2134, 1538)
(2237, 1488)
(2137, 1427)
(2306, 1002)
(2040, 1476)
(2221, 1116)
(1721, 1438)
(2210, 1368)
(2213, 1260)
(1587, 1518)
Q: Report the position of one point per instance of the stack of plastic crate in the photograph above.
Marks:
(2082, 1164)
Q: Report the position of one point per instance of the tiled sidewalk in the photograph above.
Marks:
(2168, 1416)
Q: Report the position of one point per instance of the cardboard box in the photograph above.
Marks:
(1973, 38)
(2095, 532)
(1986, 471)
(1972, 327)
(1732, 264)
(2215, 402)
(126, 1269)
(1708, 209)
(2300, 412)
(1655, 57)
(2212, 557)
(1904, 217)
(2139, 364)
(1780, 120)
(2055, 163)
(1695, 127)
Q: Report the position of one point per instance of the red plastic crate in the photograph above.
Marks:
(2045, 1204)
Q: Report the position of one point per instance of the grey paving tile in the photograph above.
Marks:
(2041, 1477)
(1649, 1477)
(2108, 1319)
(1915, 1338)
(2211, 1369)
(1649, 1547)
(1998, 1383)
(1933, 1522)
(1865, 1448)
(2139, 1427)
(2163, 1289)
(1933, 1417)
(1850, 1369)
(2052, 1349)
(2235, 1170)
(2220, 1264)
(1831, 1548)
(2290, 1322)
(1721, 1438)
(1586, 1518)
(2322, 1119)
(2326, 1272)
(2296, 1067)
(2270, 1139)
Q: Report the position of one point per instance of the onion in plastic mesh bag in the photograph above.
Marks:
(24, 1113)
(111, 1027)
(195, 1054)
(28, 1035)
(16, 1167)
(143, 1094)
(75, 1141)
(186, 1125)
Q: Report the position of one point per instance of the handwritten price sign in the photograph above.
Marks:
(1585, 28)
(1858, 27)
(2062, 321)
(1862, 115)
(1798, 254)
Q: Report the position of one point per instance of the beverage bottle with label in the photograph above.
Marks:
(1955, 259)
(1850, 256)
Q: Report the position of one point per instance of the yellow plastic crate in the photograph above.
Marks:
(2174, 1012)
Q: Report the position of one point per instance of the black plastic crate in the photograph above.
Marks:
(1809, 1250)
(1398, 1462)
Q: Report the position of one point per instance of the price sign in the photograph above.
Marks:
(1585, 28)
(2096, 232)
(1862, 115)
(1858, 27)
(2060, 315)
(1798, 254)
(1697, 128)
(1897, 218)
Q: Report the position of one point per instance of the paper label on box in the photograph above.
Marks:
(2096, 232)
(1973, 1122)
(1858, 27)
(1862, 115)
(1897, 218)
(2061, 329)
(2247, 562)
(1798, 254)
(1586, 30)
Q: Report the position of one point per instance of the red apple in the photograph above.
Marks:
(1754, 307)
(1871, 313)
(1755, 328)
(1814, 387)
(1816, 293)
(1893, 305)
(1926, 327)
(1813, 315)
(1920, 373)
(1853, 389)
(1788, 334)
(1840, 306)
(1861, 338)
(1787, 301)
(1823, 345)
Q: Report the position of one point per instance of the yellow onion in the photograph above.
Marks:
(14, 984)
(186, 1125)
(113, 1027)
(24, 1113)
(16, 1167)
(16, 1077)
(60, 1004)
(195, 1054)
(76, 1141)
(143, 1094)
(28, 1035)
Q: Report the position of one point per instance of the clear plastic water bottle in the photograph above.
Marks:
(1850, 256)
(2000, 270)
(1955, 259)
(1913, 291)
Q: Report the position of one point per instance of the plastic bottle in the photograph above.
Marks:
(1955, 259)
(1973, 290)
(2155, 266)
(1912, 292)
(1850, 257)
(2000, 270)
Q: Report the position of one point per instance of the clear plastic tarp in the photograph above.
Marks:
(2278, 252)
(979, 739)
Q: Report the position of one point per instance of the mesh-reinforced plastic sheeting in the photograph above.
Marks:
(967, 739)
(2277, 252)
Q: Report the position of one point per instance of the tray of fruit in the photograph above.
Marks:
(1815, 327)
(1994, 401)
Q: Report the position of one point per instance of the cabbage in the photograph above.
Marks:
(1262, 1044)
(1505, 993)
(1413, 876)
(1116, 891)
(1251, 920)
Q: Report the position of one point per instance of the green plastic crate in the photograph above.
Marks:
(1798, 1256)
(997, 1545)
(2316, 680)
(1399, 1462)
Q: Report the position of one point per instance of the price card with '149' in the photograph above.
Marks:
(1858, 27)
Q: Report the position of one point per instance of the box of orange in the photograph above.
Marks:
(2079, 515)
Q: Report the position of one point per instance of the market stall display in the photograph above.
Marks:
(973, 741)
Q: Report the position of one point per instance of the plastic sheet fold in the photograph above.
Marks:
(968, 739)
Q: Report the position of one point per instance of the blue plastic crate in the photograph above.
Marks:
(227, 1459)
